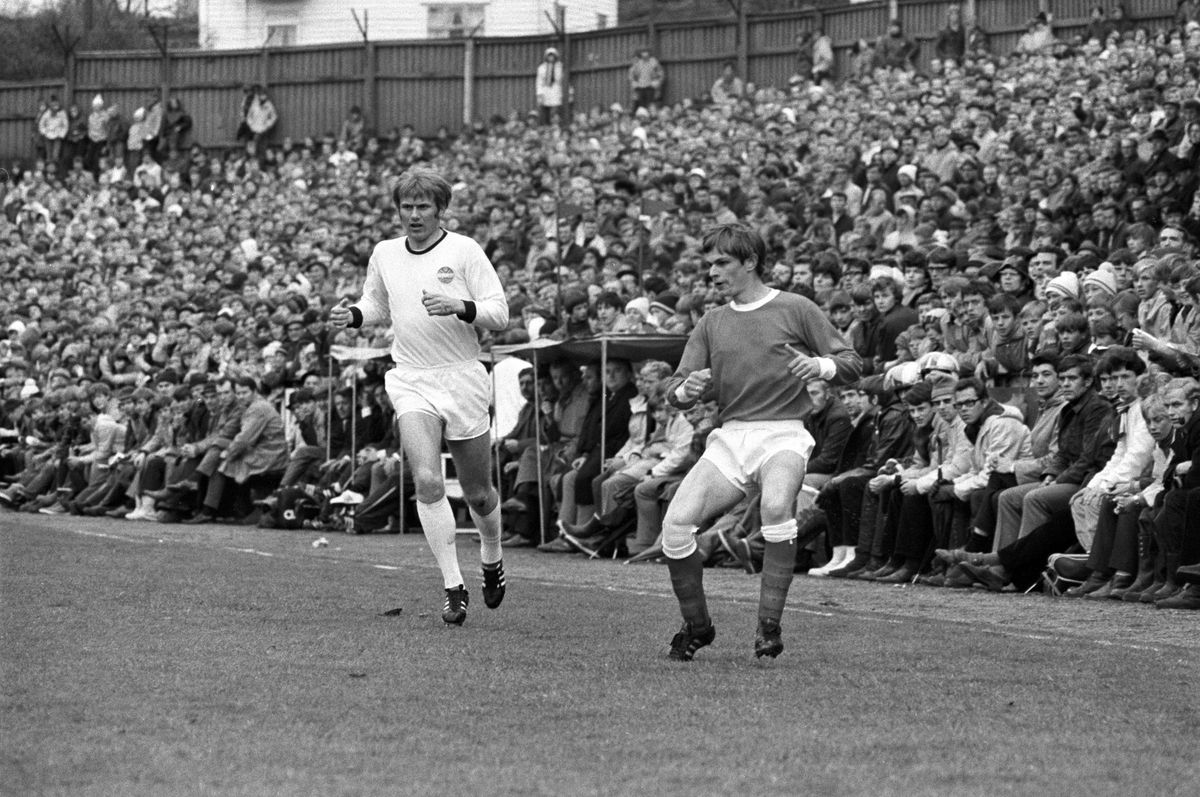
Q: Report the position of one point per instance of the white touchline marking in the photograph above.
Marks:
(110, 536)
(659, 594)
(249, 550)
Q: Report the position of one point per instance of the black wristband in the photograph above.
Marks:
(356, 318)
(468, 313)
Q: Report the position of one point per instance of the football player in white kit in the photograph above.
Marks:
(434, 287)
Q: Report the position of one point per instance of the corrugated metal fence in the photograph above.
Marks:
(423, 82)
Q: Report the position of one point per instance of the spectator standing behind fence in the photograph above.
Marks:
(152, 125)
(645, 79)
(1098, 27)
(97, 132)
(52, 126)
(176, 125)
(728, 88)
(135, 139)
(862, 60)
(804, 54)
(894, 50)
(354, 129)
(549, 88)
(1039, 36)
(77, 133)
(117, 132)
(822, 57)
(952, 40)
(1186, 12)
(258, 116)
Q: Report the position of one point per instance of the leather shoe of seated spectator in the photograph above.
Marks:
(514, 505)
(932, 580)
(1186, 598)
(957, 578)
(1093, 583)
(887, 571)
(874, 570)
(1115, 584)
(994, 578)
(855, 565)
(953, 556)
(1167, 590)
(557, 545)
(163, 494)
(201, 517)
(1188, 574)
(901, 575)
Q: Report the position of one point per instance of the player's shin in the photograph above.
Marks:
(437, 520)
(489, 534)
(686, 565)
(779, 562)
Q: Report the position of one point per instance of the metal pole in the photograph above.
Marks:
(496, 459)
(537, 445)
(400, 477)
(468, 114)
(353, 421)
(558, 246)
(603, 399)
(328, 407)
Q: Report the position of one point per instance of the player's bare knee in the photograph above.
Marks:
(429, 486)
(478, 498)
(776, 509)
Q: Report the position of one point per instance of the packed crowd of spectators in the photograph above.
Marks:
(1007, 240)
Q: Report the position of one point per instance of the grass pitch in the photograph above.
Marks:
(141, 659)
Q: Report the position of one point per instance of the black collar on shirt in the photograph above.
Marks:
(441, 238)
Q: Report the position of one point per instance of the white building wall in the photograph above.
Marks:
(240, 24)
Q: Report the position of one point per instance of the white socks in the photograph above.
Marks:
(489, 535)
(437, 519)
(841, 555)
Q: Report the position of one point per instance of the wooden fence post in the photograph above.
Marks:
(469, 80)
(164, 89)
(371, 86)
(743, 44)
(69, 82)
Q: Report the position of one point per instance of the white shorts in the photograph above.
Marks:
(740, 448)
(459, 394)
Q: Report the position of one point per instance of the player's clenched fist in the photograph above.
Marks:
(695, 384)
(340, 315)
(439, 304)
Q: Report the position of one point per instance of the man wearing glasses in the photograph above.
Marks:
(1085, 415)
(999, 437)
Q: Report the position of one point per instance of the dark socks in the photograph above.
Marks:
(687, 579)
(978, 543)
(778, 564)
